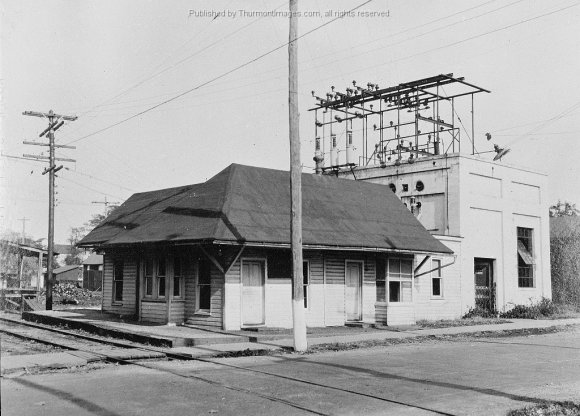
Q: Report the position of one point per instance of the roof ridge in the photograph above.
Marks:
(226, 200)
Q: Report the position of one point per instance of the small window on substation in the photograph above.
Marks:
(419, 186)
(393, 187)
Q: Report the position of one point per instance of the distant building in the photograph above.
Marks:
(69, 274)
(93, 272)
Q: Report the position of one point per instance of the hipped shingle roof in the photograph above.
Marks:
(244, 204)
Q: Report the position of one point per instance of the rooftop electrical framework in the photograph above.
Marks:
(395, 124)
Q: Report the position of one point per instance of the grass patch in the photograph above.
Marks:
(347, 346)
(447, 323)
(549, 409)
(543, 309)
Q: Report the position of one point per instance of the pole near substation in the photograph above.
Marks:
(298, 313)
(55, 121)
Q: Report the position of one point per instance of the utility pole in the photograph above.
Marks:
(298, 314)
(55, 121)
(23, 219)
(106, 204)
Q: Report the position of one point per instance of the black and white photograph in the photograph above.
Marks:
(303, 207)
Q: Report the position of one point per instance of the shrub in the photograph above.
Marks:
(479, 312)
(544, 308)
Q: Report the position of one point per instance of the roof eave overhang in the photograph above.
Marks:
(265, 244)
(336, 247)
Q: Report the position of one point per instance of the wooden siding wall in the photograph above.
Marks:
(154, 311)
(215, 317)
(127, 305)
(316, 298)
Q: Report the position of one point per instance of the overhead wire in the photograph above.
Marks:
(224, 74)
(183, 60)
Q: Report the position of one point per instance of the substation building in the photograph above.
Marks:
(493, 215)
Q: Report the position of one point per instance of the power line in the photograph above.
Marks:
(237, 68)
(90, 189)
(183, 60)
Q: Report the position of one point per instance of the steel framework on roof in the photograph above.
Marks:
(407, 118)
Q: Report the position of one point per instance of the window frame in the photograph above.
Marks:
(528, 244)
(178, 278)
(148, 278)
(408, 278)
(436, 275)
(116, 280)
(151, 278)
(306, 286)
(381, 279)
(159, 277)
(198, 286)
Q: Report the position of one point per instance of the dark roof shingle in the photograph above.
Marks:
(250, 204)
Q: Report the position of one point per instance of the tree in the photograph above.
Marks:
(77, 234)
(565, 208)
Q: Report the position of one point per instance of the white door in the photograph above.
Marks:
(252, 292)
(353, 291)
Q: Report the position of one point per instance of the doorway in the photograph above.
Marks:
(353, 291)
(484, 284)
(253, 277)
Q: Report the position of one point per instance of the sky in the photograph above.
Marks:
(170, 93)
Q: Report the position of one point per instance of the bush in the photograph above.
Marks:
(479, 312)
(544, 308)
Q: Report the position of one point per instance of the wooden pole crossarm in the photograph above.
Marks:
(48, 115)
(60, 159)
(62, 146)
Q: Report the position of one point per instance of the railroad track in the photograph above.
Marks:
(116, 350)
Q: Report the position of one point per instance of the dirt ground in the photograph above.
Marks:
(11, 345)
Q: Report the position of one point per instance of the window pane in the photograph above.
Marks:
(177, 266)
(205, 297)
(436, 286)
(149, 285)
(394, 267)
(406, 267)
(161, 267)
(118, 290)
(305, 296)
(406, 292)
(305, 273)
(437, 265)
(149, 267)
(177, 286)
(161, 286)
(118, 271)
(394, 291)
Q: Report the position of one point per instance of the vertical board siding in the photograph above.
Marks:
(335, 282)
(190, 282)
(232, 298)
(316, 298)
(369, 294)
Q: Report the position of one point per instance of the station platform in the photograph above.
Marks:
(107, 324)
